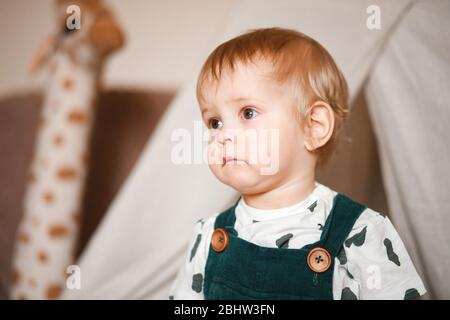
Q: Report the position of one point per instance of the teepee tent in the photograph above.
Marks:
(403, 68)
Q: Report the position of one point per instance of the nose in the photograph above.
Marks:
(224, 136)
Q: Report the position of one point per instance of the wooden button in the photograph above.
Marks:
(219, 239)
(319, 260)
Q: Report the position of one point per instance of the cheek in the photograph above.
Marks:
(290, 141)
(286, 147)
(291, 136)
(279, 137)
(262, 140)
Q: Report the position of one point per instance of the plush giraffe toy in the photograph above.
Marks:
(48, 232)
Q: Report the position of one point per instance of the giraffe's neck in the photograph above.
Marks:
(49, 229)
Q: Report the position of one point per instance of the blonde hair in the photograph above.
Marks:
(297, 59)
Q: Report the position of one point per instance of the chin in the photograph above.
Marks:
(241, 177)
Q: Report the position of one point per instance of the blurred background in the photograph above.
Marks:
(164, 40)
(131, 69)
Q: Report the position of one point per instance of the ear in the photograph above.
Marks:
(319, 125)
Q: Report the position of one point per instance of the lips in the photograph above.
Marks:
(229, 159)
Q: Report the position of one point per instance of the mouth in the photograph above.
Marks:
(232, 160)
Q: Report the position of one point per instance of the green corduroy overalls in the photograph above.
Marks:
(247, 271)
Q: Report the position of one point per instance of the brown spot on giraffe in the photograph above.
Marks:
(66, 174)
(15, 277)
(48, 197)
(58, 139)
(53, 291)
(58, 231)
(68, 83)
(32, 177)
(77, 117)
(42, 256)
(24, 237)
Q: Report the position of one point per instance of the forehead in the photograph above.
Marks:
(252, 80)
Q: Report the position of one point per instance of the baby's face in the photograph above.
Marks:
(256, 143)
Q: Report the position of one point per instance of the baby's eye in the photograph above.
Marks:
(249, 113)
(215, 123)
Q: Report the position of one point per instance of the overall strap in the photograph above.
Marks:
(340, 222)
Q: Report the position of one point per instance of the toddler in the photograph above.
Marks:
(274, 102)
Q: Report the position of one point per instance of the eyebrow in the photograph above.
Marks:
(238, 99)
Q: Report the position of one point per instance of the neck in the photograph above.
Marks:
(285, 195)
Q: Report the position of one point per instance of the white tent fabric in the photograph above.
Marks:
(141, 243)
(409, 102)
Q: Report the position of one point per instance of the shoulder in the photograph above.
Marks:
(372, 229)
(373, 221)
(378, 259)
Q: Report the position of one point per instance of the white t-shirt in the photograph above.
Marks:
(379, 268)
